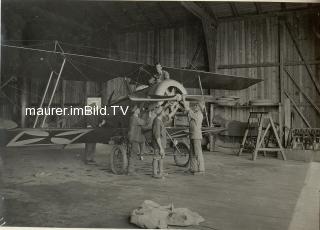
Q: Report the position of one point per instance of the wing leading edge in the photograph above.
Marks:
(39, 63)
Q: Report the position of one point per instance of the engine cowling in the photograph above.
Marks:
(166, 86)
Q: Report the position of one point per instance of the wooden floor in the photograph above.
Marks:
(51, 187)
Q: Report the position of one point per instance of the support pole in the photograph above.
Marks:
(24, 101)
(156, 41)
(54, 90)
(43, 98)
(281, 43)
(205, 108)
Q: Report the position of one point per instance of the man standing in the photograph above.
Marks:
(195, 117)
(136, 139)
(159, 143)
(159, 76)
(92, 121)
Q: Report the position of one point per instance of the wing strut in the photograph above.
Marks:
(54, 91)
(52, 94)
(43, 97)
(205, 108)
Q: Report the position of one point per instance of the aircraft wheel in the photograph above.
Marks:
(181, 157)
(119, 160)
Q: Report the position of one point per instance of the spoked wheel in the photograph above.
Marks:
(181, 154)
(119, 160)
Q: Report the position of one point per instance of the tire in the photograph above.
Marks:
(119, 160)
(181, 158)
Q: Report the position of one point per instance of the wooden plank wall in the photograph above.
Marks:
(177, 47)
(239, 42)
(246, 42)
(256, 41)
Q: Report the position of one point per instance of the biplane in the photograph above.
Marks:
(71, 66)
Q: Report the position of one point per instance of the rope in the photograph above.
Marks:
(74, 54)
(65, 53)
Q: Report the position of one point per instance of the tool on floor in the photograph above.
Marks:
(261, 140)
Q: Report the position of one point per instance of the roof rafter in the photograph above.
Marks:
(143, 12)
(167, 16)
(126, 13)
(258, 7)
(199, 12)
(234, 9)
(283, 6)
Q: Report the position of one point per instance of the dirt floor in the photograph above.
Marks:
(51, 187)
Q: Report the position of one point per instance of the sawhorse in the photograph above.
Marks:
(261, 144)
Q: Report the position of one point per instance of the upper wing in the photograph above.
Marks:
(209, 80)
(39, 63)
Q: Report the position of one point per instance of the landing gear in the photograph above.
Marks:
(119, 160)
(181, 154)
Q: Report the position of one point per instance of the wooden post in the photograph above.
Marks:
(156, 43)
(287, 118)
(281, 43)
(211, 137)
(24, 101)
(210, 33)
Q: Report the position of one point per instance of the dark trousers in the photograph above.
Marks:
(196, 161)
(135, 149)
(89, 152)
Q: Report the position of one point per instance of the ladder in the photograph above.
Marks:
(263, 137)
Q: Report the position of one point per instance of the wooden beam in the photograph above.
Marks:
(209, 25)
(258, 7)
(24, 101)
(156, 46)
(295, 42)
(267, 64)
(127, 15)
(253, 65)
(196, 53)
(234, 9)
(301, 11)
(210, 33)
(281, 47)
(199, 12)
(144, 14)
(208, 10)
(298, 110)
(166, 15)
(303, 92)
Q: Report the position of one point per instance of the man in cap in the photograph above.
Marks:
(136, 138)
(160, 75)
(195, 118)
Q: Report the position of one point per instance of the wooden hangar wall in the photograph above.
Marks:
(247, 41)
(176, 46)
(256, 41)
